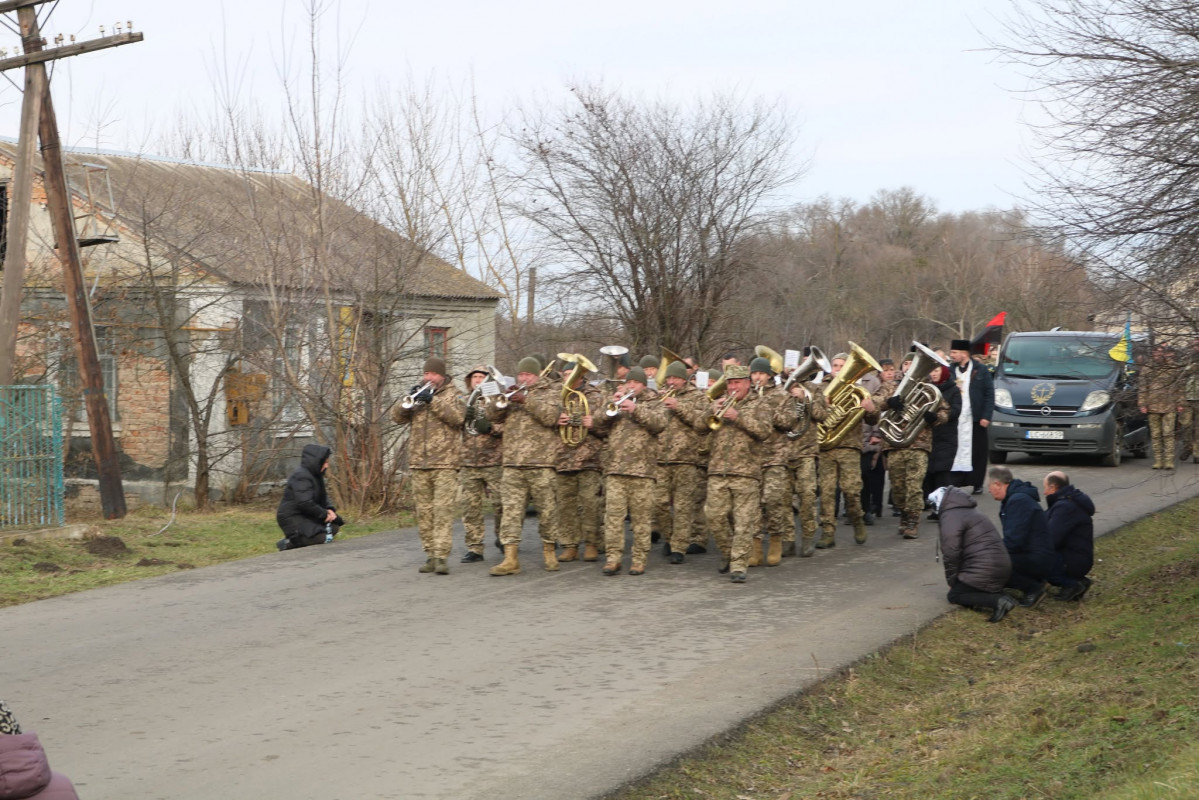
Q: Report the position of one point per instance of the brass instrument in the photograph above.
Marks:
(550, 366)
(611, 356)
(845, 399)
(716, 421)
(816, 362)
(668, 356)
(503, 400)
(409, 400)
(900, 428)
(612, 408)
(717, 389)
(574, 402)
(474, 409)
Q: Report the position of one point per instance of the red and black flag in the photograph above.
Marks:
(991, 336)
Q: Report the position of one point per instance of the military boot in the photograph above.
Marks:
(827, 539)
(569, 553)
(549, 551)
(789, 549)
(440, 567)
(859, 532)
(590, 552)
(511, 563)
(807, 547)
(428, 566)
(775, 555)
(755, 553)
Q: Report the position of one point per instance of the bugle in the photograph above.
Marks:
(410, 400)
(503, 400)
(612, 408)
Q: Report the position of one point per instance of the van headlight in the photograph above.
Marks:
(1094, 401)
(1003, 399)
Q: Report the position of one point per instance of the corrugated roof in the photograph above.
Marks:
(261, 227)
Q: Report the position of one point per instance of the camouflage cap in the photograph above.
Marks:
(736, 372)
(478, 369)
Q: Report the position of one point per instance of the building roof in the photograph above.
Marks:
(258, 227)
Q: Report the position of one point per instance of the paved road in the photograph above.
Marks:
(339, 672)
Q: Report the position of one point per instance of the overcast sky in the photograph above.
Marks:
(886, 94)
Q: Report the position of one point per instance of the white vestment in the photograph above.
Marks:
(962, 461)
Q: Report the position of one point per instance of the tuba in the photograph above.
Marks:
(574, 402)
(845, 399)
(816, 362)
(776, 362)
(900, 428)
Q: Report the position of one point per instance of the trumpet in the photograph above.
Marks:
(503, 400)
(716, 421)
(612, 409)
(410, 400)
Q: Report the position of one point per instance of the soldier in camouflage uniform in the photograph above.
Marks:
(579, 481)
(434, 454)
(678, 459)
(792, 416)
(907, 464)
(530, 420)
(841, 466)
(629, 470)
(482, 457)
(1188, 420)
(1159, 394)
(735, 470)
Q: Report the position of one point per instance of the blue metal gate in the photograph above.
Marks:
(31, 486)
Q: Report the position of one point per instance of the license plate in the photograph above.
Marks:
(1044, 435)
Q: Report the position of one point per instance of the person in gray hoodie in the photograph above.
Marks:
(25, 773)
(977, 565)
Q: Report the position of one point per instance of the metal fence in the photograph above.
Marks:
(31, 485)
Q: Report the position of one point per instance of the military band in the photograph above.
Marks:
(591, 448)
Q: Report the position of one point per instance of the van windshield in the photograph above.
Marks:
(1060, 357)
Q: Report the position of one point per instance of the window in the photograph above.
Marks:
(68, 371)
(435, 342)
(288, 363)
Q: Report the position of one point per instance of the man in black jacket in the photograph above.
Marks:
(1025, 534)
(304, 513)
(978, 405)
(1073, 533)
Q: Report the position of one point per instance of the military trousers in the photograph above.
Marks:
(579, 507)
(435, 494)
(805, 486)
(778, 487)
(907, 484)
(634, 496)
(676, 493)
(475, 483)
(699, 524)
(1188, 429)
(742, 497)
(840, 467)
(1161, 432)
(517, 485)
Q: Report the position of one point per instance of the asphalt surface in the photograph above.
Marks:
(339, 672)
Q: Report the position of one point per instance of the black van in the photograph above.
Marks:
(1062, 392)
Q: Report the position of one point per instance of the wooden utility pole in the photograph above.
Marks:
(58, 201)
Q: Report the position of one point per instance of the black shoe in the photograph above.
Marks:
(1002, 606)
(471, 557)
(934, 516)
(867, 518)
(1031, 599)
(283, 544)
(737, 577)
(666, 551)
(724, 567)
(676, 558)
(1072, 592)
(498, 545)
(1087, 583)
(654, 537)
(696, 549)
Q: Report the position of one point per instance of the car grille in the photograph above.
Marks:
(1046, 445)
(1054, 411)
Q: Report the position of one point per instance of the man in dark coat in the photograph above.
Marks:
(977, 565)
(1025, 534)
(1073, 533)
(945, 437)
(978, 406)
(304, 513)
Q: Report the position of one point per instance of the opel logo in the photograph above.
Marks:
(1046, 411)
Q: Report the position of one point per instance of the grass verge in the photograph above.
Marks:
(1070, 700)
(33, 569)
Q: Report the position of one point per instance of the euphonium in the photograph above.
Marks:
(845, 399)
(574, 402)
(900, 428)
(409, 400)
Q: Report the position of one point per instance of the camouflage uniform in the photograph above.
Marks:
(784, 455)
(530, 452)
(434, 454)
(1190, 410)
(481, 474)
(1160, 393)
(629, 475)
(842, 466)
(909, 464)
(579, 482)
(735, 480)
(678, 480)
(803, 453)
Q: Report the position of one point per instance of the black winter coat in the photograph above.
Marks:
(1072, 529)
(971, 549)
(1025, 529)
(302, 510)
(982, 392)
(945, 437)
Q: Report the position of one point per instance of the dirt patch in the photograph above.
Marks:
(46, 566)
(186, 566)
(20, 541)
(106, 546)
(1179, 571)
(151, 562)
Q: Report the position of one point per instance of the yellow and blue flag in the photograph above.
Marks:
(1123, 349)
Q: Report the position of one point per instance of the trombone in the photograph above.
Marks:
(409, 400)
